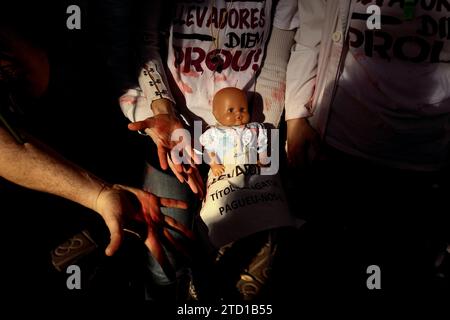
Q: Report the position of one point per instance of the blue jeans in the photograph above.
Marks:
(164, 184)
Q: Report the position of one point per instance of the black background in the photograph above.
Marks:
(80, 117)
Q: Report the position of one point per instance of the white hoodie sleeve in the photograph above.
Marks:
(153, 84)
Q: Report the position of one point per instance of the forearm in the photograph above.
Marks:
(37, 167)
(302, 66)
(213, 161)
(136, 106)
(152, 95)
(293, 125)
(216, 167)
(163, 106)
(271, 82)
(152, 78)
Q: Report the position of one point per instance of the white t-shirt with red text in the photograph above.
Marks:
(216, 44)
(392, 104)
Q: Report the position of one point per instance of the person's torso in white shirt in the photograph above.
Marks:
(392, 104)
(196, 37)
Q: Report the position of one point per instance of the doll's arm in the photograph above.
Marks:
(262, 144)
(209, 140)
(216, 167)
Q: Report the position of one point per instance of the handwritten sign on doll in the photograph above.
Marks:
(239, 205)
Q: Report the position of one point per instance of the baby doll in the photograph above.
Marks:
(233, 140)
(243, 210)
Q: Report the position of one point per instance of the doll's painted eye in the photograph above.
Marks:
(242, 110)
(230, 110)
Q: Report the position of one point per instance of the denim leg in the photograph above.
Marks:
(166, 185)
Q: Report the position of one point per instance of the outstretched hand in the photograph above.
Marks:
(160, 128)
(115, 204)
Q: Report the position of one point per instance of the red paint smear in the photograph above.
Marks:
(278, 94)
(184, 87)
(359, 56)
(128, 99)
(267, 104)
(220, 77)
(191, 73)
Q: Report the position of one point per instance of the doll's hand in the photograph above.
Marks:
(263, 160)
(217, 169)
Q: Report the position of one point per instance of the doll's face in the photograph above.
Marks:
(230, 107)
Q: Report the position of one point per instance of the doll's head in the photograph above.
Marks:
(230, 107)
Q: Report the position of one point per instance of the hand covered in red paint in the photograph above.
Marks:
(162, 127)
(121, 204)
